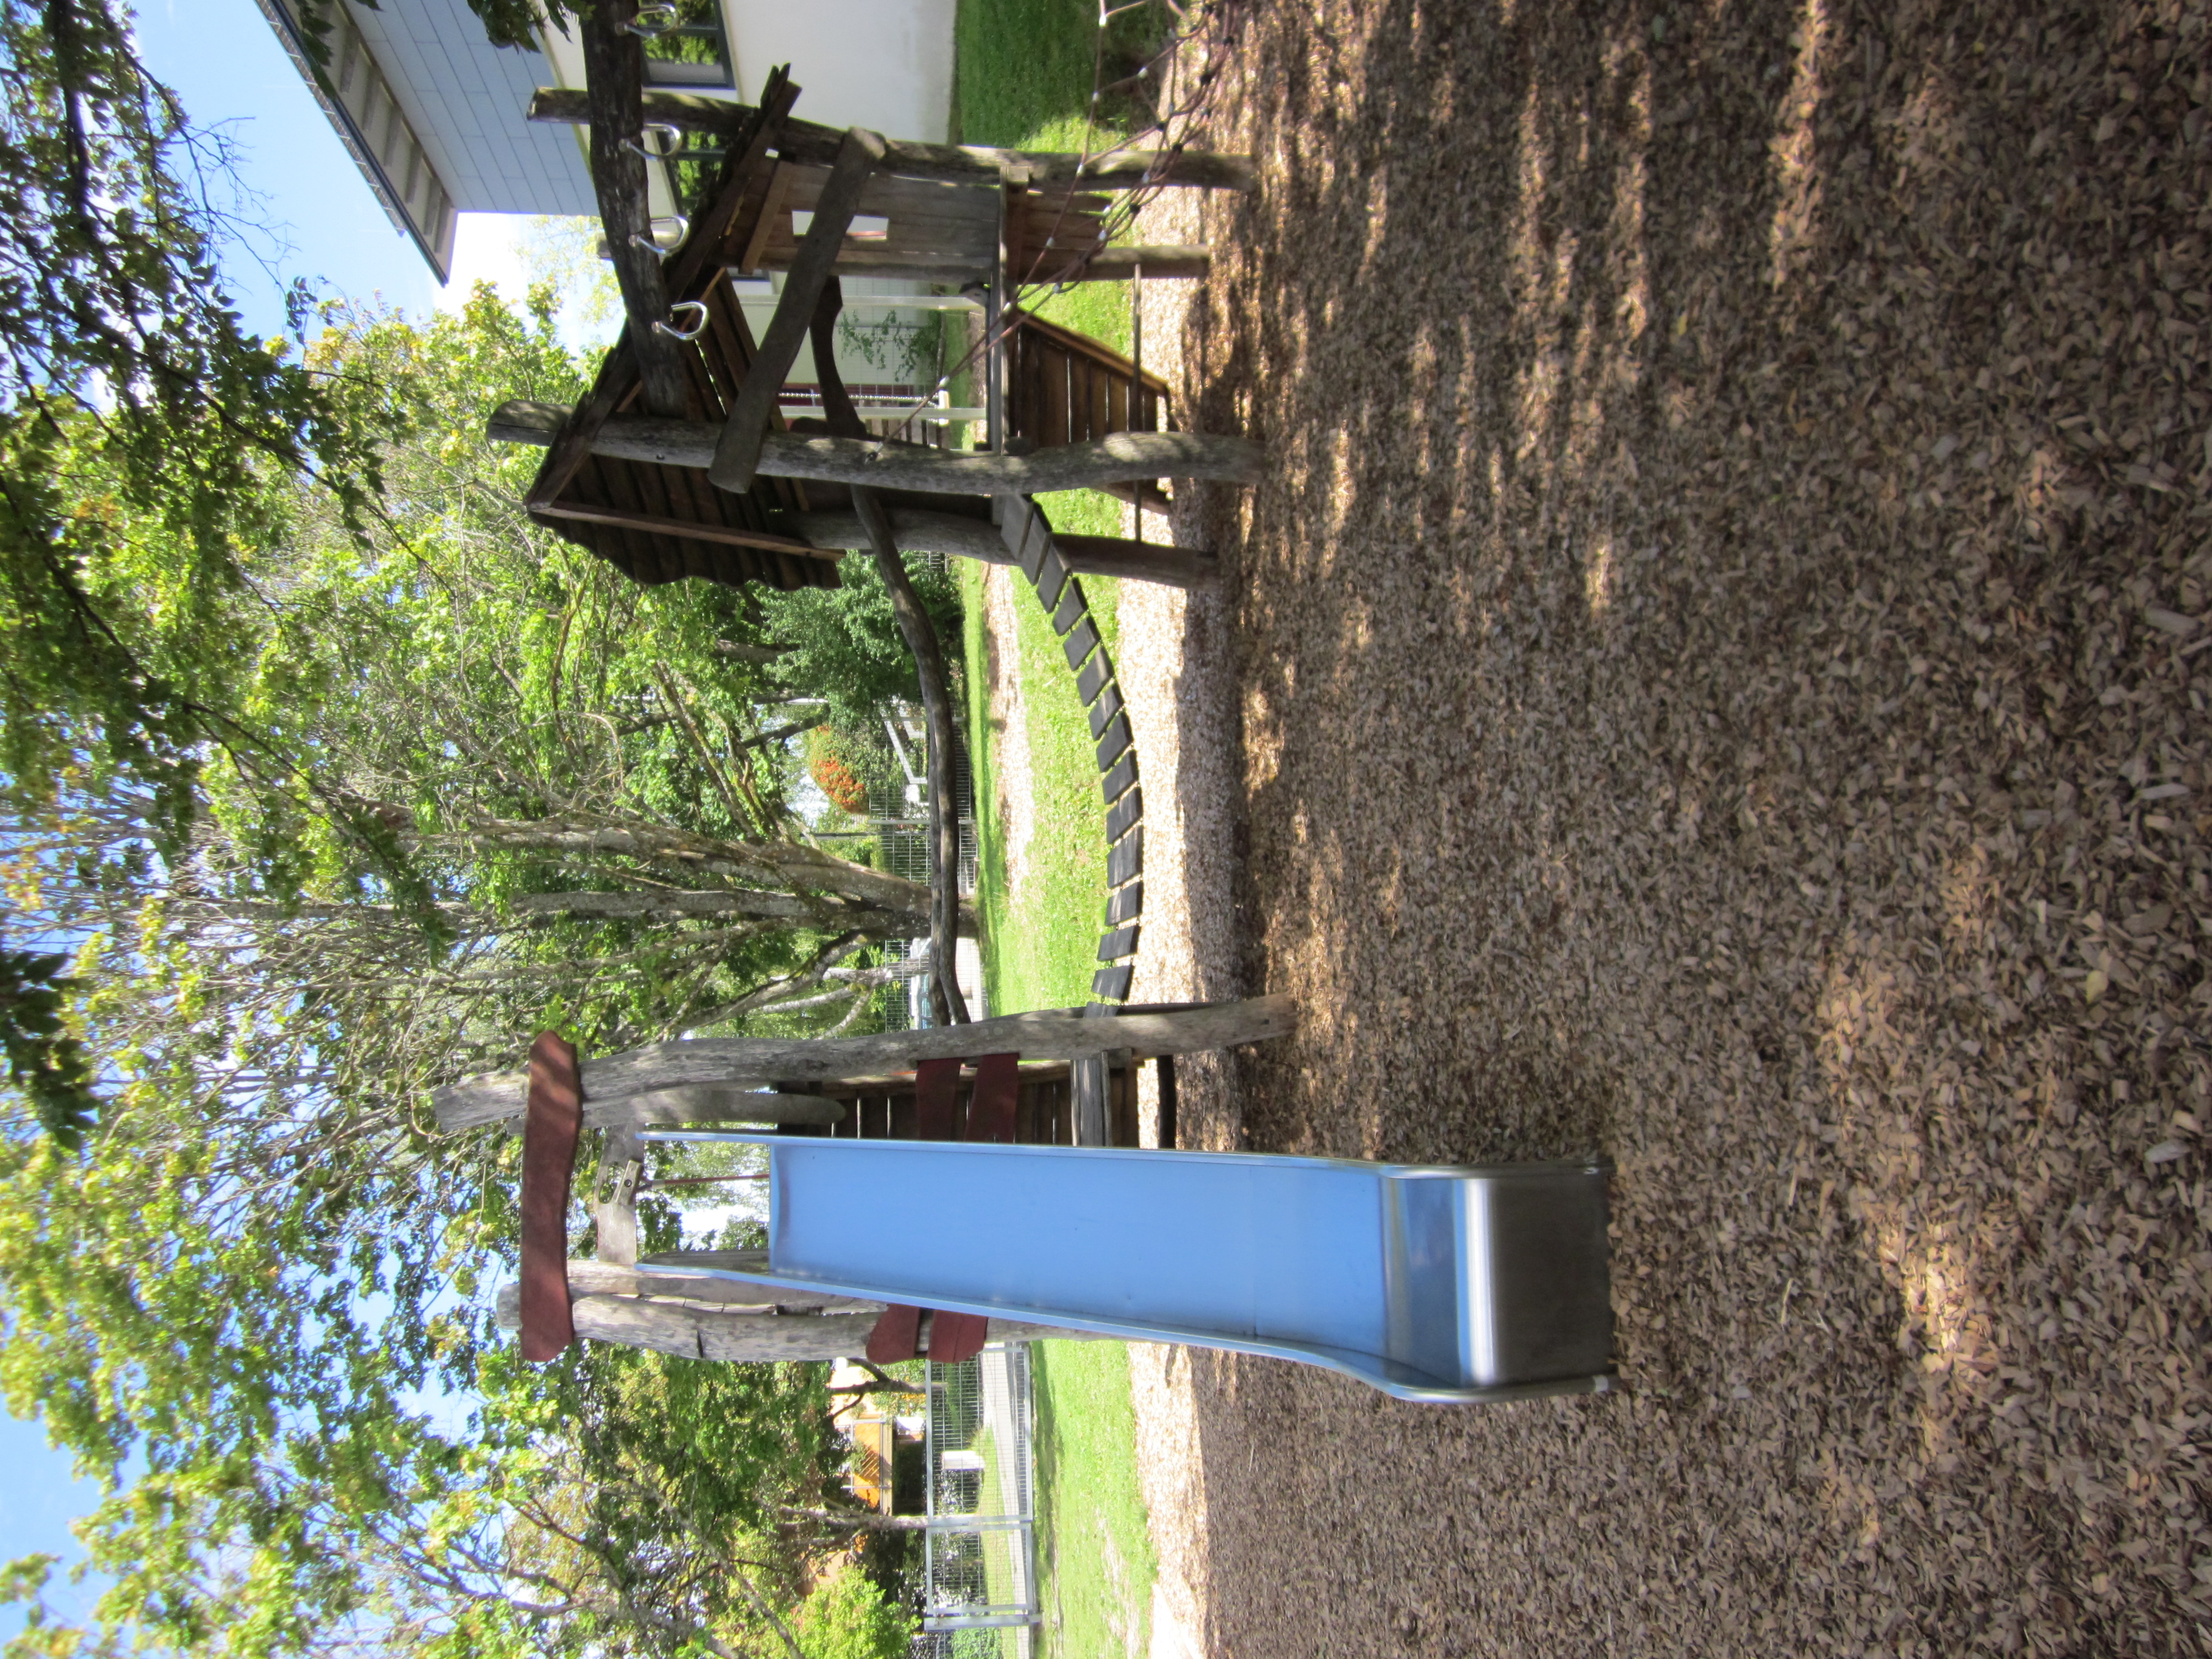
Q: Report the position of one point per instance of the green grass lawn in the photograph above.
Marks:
(1040, 943)
(1095, 1561)
(1024, 75)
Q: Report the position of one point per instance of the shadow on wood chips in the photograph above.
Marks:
(1721, 668)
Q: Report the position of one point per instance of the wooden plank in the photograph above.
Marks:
(653, 562)
(1053, 423)
(743, 1336)
(1013, 222)
(1123, 815)
(1124, 1111)
(590, 1277)
(701, 1102)
(570, 438)
(554, 1116)
(1052, 1034)
(737, 452)
(1122, 169)
(1083, 345)
(1185, 567)
(772, 212)
(1099, 416)
(720, 534)
(1087, 1086)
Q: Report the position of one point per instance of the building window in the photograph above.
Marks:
(693, 51)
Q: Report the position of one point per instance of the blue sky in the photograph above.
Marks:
(222, 61)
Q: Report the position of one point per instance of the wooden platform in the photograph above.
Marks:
(883, 1108)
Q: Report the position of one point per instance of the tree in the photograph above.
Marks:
(329, 776)
(128, 394)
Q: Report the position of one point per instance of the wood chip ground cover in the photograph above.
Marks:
(1719, 675)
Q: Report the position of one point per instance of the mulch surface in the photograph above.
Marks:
(1720, 674)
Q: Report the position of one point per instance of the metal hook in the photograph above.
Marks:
(674, 142)
(653, 244)
(693, 332)
(659, 8)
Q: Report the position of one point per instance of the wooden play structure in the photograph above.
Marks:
(678, 463)
(1431, 1283)
(1428, 1282)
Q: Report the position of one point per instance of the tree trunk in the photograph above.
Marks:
(614, 71)
(812, 144)
(920, 635)
(936, 709)
(785, 863)
(663, 906)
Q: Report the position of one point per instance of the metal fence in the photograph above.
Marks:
(979, 1576)
(904, 848)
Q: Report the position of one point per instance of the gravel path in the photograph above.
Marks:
(1718, 675)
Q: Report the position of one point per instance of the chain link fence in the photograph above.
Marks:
(979, 1576)
(904, 848)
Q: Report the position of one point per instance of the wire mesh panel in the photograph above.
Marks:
(979, 1576)
(904, 848)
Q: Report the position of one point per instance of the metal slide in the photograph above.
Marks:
(1429, 1282)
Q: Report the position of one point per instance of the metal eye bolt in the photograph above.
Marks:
(691, 333)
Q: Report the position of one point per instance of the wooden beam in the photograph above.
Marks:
(1135, 561)
(1052, 1034)
(594, 1277)
(614, 67)
(706, 1102)
(741, 1335)
(736, 460)
(919, 531)
(1118, 457)
(552, 1097)
(816, 145)
(655, 524)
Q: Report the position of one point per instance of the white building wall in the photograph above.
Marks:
(465, 98)
(881, 63)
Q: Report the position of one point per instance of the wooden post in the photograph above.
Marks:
(920, 635)
(1054, 1034)
(1118, 265)
(737, 452)
(1013, 222)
